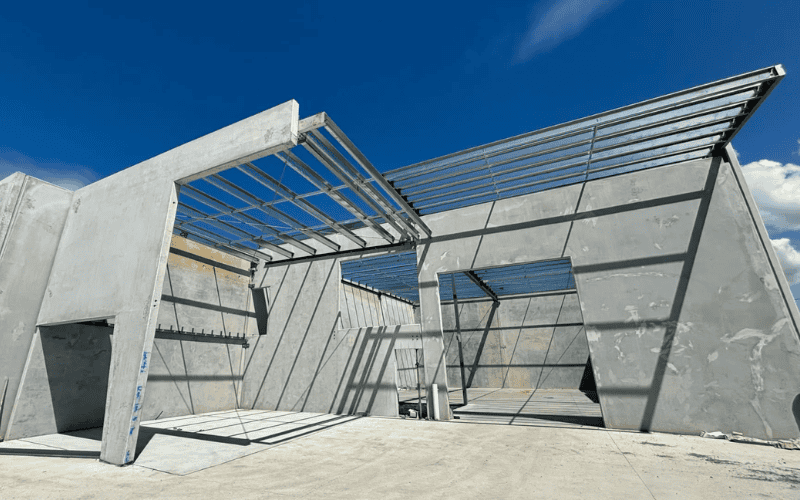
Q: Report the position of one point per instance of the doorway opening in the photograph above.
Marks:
(516, 347)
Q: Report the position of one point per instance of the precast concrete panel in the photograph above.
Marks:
(32, 214)
(112, 257)
(687, 327)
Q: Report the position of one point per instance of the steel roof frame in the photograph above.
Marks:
(692, 123)
(396, 275)
(257, 228)
(689, 124)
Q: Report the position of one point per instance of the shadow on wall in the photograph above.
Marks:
(306, 363)
(77, 358)
(796, 410)
(521, 342)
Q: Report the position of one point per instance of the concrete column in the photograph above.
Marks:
(132, 345)
(434, 364)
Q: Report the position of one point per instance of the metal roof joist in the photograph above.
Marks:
(278, 188)
(395, 274)
(703, 118)
(326, 187)
(225, 185)
(266, 231)
(199, 216)
(332, 162)
(208, 238)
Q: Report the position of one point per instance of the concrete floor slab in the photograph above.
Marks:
(182, 455)
(71, 441)
(357, 457)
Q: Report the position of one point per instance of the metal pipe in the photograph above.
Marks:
(458, 336)
(435, 395)
(419, 385)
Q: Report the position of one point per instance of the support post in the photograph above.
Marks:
(419, 385)
(435, 364)
(458, 336)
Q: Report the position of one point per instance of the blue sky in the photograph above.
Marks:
(87, 90)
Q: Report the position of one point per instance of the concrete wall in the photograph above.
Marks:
(306, 361)
(32, 214)
(65, 383)
(527, 342)
(687, 325)
(112, 257)
(207, 291)
(362, 308)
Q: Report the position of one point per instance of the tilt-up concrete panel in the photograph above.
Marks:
(307, 361)
(521, 342)
(112, 257)
(687, 325)
(510, 231)
(32, 214)
(205, 291)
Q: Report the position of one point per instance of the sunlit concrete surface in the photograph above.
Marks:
(540, 407)
(303, 455)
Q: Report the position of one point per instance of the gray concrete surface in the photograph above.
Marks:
(206, 291)
(360, 308)
(305, 362)
(687, 321)
(32, 214)
(525, 342)
(537, 407)
(392, 458)
(120, 273)
(686, 325)
(65, 382)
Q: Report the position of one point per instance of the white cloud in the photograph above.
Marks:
(776, 189)
(790, 259)
(563, 19)
(70, 177)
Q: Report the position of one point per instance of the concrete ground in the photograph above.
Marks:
(257, 454)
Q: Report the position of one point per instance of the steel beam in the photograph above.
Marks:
(287, 194)
(208, 238)
(371, 191)
(193, 212)
(229, 187)
(362, 160)
(210, 201)
(326, 158)
(317, 180)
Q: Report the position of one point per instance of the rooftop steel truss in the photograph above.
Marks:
(326, 187)
(694, 123)
(396, 274)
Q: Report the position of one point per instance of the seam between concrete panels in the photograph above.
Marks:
(14, 214)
